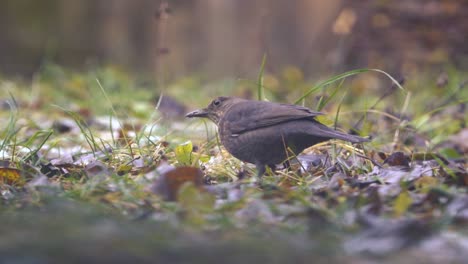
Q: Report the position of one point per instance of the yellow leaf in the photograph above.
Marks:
(402, 203)
(183, 153)
(11, 176)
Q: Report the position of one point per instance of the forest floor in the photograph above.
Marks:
(95, 168)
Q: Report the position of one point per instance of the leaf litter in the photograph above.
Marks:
(149, 186)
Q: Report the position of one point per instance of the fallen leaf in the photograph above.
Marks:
(11, 176)
(397, 159)
(168, 184)
(183, 153)
(402, 203)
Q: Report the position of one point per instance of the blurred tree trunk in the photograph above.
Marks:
(218, 22)
(114, 39)
(74, 40)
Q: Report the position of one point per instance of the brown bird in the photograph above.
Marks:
(265, 133)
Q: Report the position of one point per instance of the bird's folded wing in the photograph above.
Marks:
(248, 117)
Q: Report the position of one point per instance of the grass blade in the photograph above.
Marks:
(343, 76)
(260, 87)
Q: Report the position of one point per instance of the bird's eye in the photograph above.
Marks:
(216, 102)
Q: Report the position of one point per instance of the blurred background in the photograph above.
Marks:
(219, 38)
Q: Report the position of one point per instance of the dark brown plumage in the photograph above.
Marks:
(262, 132)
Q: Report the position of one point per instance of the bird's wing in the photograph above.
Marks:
(246, 116)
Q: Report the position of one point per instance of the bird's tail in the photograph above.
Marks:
(334, 134)
(348, 137)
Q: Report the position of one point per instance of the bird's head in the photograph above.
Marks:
(215, 109)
